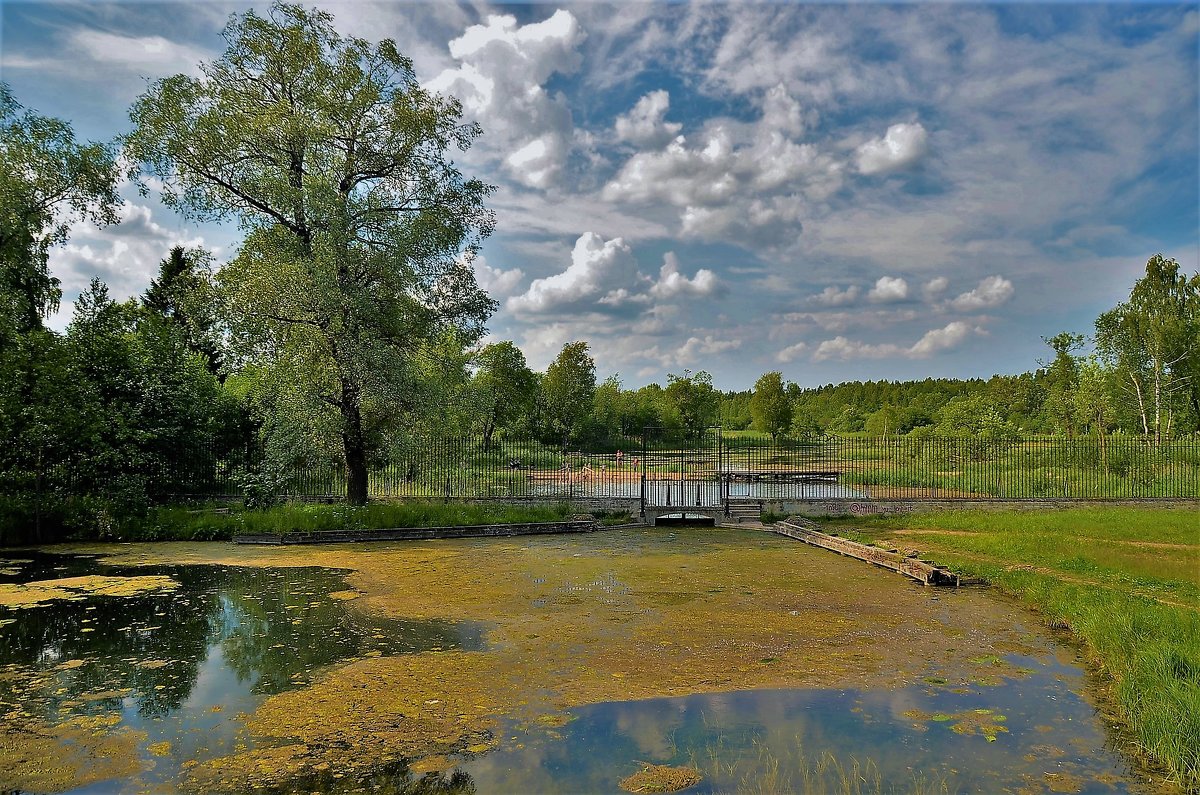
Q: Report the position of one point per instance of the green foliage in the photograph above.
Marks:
(184, 295)
(770, 406)
(1152, 342)
(690, 404)
(1062, 382)
(734, 413)
(567, 391)
(109, 410)
(212, 524)
(47, 180)
(504, 386)
(360, 229)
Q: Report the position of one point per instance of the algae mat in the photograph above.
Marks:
(580, 620)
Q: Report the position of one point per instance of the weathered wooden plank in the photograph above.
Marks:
(921, 570)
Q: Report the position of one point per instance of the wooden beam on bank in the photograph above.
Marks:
(920, 570)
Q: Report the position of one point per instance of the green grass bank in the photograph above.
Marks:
(220, 524)
(1126, 581)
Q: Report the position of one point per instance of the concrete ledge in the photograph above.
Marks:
(419, 533)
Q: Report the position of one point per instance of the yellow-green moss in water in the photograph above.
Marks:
(984, 722)
(661, 778)
(82, 751)
(572, 621)
(32, 594)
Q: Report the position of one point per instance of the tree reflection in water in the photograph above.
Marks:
(168, 661)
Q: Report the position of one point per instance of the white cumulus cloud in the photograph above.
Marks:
(832, 296)
(734, 180)
(495, 281)
(931, 342)
(939, 339)
(902, 146)
(791, 352)
(935, 287)
(992, 291)
(672, 283)
(696, 348)
(888, 289)
(644, 125)
(603, 276)
(500, 81)
(600, 272)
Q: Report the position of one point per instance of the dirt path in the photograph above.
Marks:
(1119, 542)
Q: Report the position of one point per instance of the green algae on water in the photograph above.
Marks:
(32, 594)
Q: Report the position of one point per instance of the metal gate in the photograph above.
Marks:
(681, 470)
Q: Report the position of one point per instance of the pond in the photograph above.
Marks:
(528, 665)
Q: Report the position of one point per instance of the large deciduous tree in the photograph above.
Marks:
(770, 406)
(504, 387)
(360, 228)
(47, 180)
(567, 391)
(1062, 377)
(691, 403)
(1153, 342)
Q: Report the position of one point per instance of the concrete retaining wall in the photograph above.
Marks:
(818, 508)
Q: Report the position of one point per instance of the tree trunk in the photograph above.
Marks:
(488, 429)
(1137, 386)
(355, 446)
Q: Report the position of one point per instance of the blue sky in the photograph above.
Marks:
(836, 192)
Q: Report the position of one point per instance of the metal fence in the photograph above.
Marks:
(660, 468)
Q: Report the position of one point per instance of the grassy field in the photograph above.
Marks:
(1126, 581)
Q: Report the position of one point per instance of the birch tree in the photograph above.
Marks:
(1153, 342)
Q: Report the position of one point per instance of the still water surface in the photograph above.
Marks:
(182, 665)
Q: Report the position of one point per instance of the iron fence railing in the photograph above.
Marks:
(712, 468)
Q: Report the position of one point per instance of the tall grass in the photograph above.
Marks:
(175, 523)
(1141, 630)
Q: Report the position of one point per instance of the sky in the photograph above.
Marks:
(836, 192)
